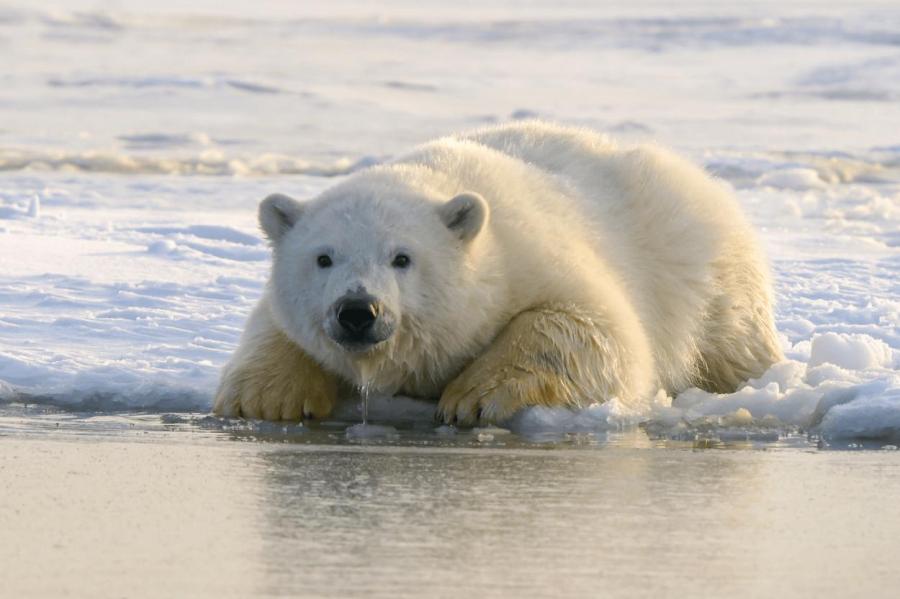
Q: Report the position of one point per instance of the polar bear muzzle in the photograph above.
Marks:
(362, 322)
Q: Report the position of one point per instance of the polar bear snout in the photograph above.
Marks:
(357, 315)
(362, 322)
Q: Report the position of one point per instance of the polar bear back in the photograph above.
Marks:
(673, 237)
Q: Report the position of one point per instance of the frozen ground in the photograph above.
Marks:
(135, 142)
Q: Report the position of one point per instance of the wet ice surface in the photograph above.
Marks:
(96, 503)
(365, 430)
(135, 142)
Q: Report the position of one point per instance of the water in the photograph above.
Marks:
(143, 506)
(365, 430)
(364, 397)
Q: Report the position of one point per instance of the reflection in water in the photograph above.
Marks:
(194, 508)
(392, 521)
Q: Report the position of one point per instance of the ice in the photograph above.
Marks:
(365, 430)
(207, 162)
(792, 178)
(874, 415)
(608, 415)
(383, 408)
(163, 246)
(34, 207)
(137, 140)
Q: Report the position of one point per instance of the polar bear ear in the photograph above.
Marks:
(465, 215)
(277, 214)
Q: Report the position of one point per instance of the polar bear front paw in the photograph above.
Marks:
(491, 391)
(552, 356)
(468, 401)
(269, 399)
(276, 383)
(281, 396)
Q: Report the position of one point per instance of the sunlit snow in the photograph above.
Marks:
(136, 142)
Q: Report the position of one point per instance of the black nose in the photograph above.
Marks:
(357, 315)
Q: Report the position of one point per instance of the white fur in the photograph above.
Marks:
(626, 270)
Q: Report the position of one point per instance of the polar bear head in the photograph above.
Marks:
(374, 277)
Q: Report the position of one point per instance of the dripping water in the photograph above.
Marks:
(366, 375)
(364, 392)
(364, 430)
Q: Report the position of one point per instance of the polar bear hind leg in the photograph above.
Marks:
(740, 340)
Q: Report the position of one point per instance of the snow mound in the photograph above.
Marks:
(848, 389)
(792, 178)
(211, 162)
(853, 352)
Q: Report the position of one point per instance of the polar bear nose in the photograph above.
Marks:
(357, 315)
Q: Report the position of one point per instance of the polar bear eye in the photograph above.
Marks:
(400, 261)
(323, 261)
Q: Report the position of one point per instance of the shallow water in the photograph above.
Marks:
(179, 505)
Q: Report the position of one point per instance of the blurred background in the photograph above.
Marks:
(231, 87)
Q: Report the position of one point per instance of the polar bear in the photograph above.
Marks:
(517, 265)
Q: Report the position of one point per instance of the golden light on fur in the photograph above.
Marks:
(543, 265)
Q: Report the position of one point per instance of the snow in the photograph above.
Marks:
(136, 141)
(853, 352)
(792, 178)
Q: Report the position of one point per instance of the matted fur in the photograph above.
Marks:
(592, 272)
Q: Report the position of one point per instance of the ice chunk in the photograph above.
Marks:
(370, 431)
(792, 178)
(853, 352)
(609, 415)
(34, 208)
(865, 412)
(162, 247)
